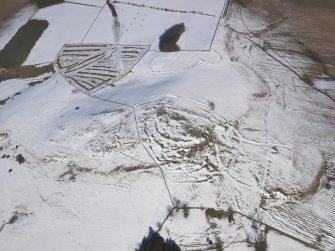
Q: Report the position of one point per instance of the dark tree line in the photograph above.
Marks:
(154, 242)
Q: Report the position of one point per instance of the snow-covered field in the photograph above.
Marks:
(143, 25)
(77, 20)
(217, 146)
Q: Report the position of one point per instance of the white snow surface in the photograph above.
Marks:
(143, 26)
(45, 207)
(97, 3)
(186, 74)
(239, 154)
(212, 7)
(68, 23)
(277, 242)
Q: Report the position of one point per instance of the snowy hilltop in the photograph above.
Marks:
(167, 125)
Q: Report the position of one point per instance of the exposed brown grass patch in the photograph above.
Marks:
(28, 71)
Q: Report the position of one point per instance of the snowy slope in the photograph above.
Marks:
(218, 147)
(68, 23)
(143, 26)
(56, 187)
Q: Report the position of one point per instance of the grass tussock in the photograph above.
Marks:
(18, 48)
(261, 245)
(168, 40)
(220, 214)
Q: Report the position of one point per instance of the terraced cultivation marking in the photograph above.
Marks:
(201, 154)
(304, 224)
(208, 162)
(91, 67)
